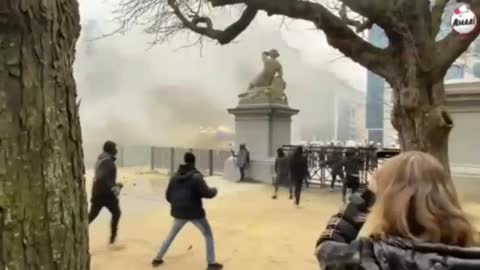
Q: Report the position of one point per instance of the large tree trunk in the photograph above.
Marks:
(43, 215)
(420, 116)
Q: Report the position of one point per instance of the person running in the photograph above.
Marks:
(243, 161)
(298, 172)
(185, 192)
(414, 220)
(281, 173)
(105, 190)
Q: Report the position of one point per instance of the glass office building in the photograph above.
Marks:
(375, 92)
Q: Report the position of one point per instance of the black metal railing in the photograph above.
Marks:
(166, 160)
(322, 159)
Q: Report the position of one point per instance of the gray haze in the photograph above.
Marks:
(166, 96)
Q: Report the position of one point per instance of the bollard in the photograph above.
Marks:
(172, 161)
(152, 158)
(210, 162)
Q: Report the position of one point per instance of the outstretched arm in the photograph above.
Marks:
(203, 189)
(337, 241)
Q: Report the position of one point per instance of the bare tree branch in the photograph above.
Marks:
(454, 45)
(359, 25)
(338, 34)
(223, 36)
(375, 10)
(220, 3)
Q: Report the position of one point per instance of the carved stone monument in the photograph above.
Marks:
(268, 86)
(263, 117)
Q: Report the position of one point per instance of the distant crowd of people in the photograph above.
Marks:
(411, 212)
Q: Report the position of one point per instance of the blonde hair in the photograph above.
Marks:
(416, 199)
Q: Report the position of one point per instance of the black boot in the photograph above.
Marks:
(214, 266)
(157, 262)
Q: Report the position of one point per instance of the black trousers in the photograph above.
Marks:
(351, 182)
(298, 189)
(242, 173)
(282, 178)
(335, 173)
(113, 205)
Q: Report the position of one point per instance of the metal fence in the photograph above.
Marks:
(167, 159)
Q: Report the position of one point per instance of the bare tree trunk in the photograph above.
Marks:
(43, 215)
(422, 120)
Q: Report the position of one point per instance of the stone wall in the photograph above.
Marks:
(463, 100)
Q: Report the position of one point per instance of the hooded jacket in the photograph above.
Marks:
(105, 178)
(339, 249)
(185, 192)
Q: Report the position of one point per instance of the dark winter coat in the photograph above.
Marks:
(339, 249)
(353, 165)
(185, 192)
(335, 161)
(298, 168)
(105, 178)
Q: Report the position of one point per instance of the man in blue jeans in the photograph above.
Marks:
(185, 193)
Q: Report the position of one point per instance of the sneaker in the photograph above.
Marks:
(157, 262)
(331, 190)
(274, 197)
(214, 266)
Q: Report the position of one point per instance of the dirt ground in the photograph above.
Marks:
(251, 230)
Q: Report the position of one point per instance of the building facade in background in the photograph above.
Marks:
(349, 115)
(375, 92)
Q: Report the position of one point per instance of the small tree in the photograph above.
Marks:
(43, 205)
(414, 63)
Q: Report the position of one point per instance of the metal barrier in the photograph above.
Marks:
(166, 160)
(322, 160)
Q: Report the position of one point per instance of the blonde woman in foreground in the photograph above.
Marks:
(415, 222)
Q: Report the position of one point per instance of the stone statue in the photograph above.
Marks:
(268, 86)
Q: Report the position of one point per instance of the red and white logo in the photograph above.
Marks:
(463, 20)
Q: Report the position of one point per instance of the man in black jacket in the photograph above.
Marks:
(105, 189)
(185, 192)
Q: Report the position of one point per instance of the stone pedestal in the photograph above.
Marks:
(263, 128)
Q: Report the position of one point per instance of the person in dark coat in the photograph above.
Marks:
(335, 162)
(105, 190)
(353, 167)
(413, 219)
(298, 172)
(281, 173)
(185, 192)
(243, 161)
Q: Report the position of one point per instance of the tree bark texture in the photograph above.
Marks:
(422, 125)
(43, 205)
